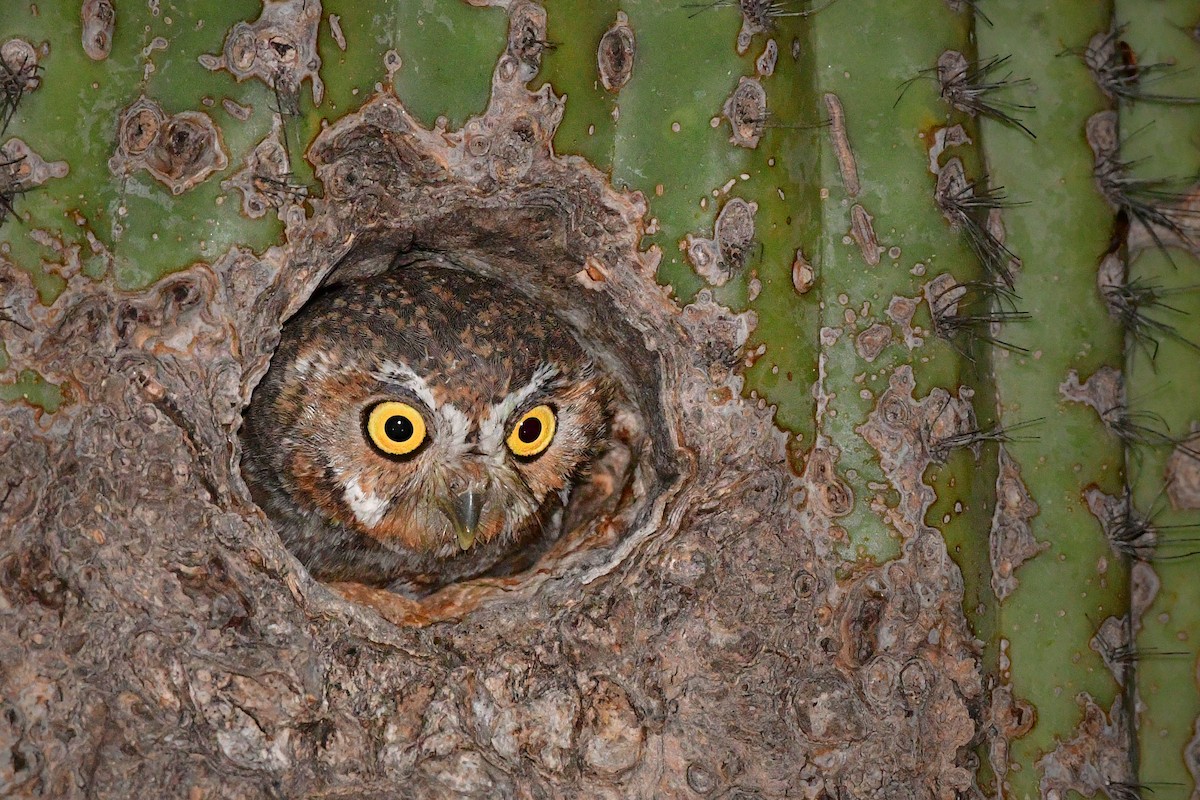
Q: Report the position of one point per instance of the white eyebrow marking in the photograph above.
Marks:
(367, 507)
(491, 431)
(457, 426)
(400, 375)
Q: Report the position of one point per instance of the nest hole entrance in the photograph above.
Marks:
(526, 249)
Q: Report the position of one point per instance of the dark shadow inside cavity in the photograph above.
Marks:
(531, 250)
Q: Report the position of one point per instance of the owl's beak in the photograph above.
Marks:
(466, 509)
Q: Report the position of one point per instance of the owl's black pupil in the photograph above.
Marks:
(398, 428)
(530, 430)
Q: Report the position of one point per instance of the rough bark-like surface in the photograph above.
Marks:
(1096, 761)
(703, 639)
(1011, 541)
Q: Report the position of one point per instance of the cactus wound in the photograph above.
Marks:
(863, 233)
(279, 48)
(1011, 542)
(180, 151)
(1127, 531)
(1117, 72)
(720, 258)
(1113, 641)
(99, 18)
(265, 180)
(616, 53)
(841, 144)
(901, 311)
(870, 342)
(18, 74)
(1011, 718)
(764, 65)
(1163, 218)
(746, 110)
(1104, 390)
(335, 30)
(803, 275)
(1183, 473)
(968, 88)
(1096, 760)
(26, 168)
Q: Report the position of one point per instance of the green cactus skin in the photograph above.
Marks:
(1059, 234)
(669, 149)
(145, 231)
(73, 117)
(588, 127)
(422, 34)
(866, 64)
(1159, 139)
(31, 388)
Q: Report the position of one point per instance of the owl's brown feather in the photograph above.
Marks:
(472, 355)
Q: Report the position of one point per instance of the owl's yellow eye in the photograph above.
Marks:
(396, 428)
(533, 432)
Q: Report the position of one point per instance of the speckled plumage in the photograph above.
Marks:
(471, 355)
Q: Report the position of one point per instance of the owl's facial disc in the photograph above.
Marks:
(438, 465)
(475, 457)
(431, 410)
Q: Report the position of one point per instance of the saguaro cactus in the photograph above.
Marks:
(904, 488)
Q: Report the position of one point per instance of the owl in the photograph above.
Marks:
(421, 427)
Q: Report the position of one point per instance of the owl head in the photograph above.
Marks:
(416, 418)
